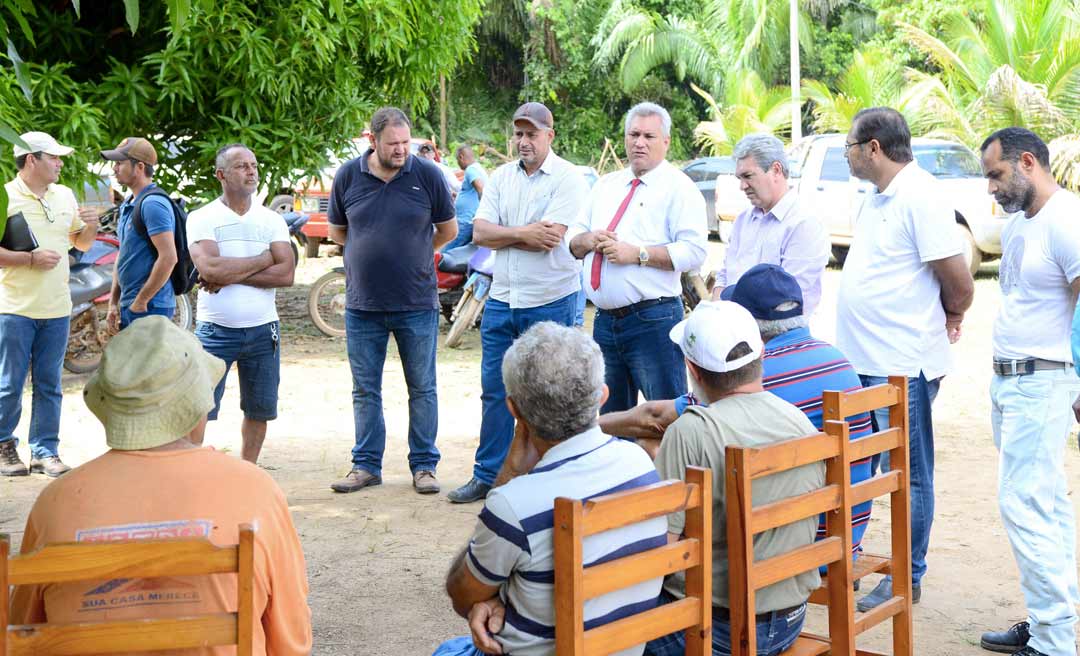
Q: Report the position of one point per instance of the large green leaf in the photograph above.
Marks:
(20, 69)
(178, 13)
(131, 12)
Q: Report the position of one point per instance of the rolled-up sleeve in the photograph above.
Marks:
(687, 227)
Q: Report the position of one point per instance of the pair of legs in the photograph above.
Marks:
(775, 633)
(257, 354)
(34, 346)
(416, 334)
(1031, 416)
(639, 355)
(499, 328)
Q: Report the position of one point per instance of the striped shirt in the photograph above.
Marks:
(512, 544)
(798, 368)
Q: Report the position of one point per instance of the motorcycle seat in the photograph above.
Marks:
(456, 260)
(79, 266)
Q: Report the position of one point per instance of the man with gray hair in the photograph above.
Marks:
(777, 229)
(503, 580)
(642, 227)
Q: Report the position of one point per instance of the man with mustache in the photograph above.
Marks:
(1033, 386)
(642, 227)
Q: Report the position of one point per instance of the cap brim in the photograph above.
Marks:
(728, 293)
(533, 122)
(59, 151)
(677, 332)
(114, 155)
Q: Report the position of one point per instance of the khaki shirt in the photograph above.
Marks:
(699, 438)
(30, 292)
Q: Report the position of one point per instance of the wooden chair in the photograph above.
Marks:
(69, 562)
(575, 520)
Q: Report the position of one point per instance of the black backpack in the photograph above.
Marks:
(184, 275)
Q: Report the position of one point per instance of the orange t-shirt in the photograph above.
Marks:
(163, 494)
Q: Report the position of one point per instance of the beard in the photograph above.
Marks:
(1018, 196)
(389, 163)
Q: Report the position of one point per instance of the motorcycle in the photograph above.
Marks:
(326, 300)
(298, 240)
(470, 306)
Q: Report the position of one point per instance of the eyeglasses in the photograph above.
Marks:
(849, 146)
(48, 210)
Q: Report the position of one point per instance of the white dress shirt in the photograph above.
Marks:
(666, 210)
(787, 236)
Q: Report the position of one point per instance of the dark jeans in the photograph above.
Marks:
(639, 355)
(499, 328)
(37, 346)
(257, 354)
(416, 334)
(774, 635)
(464, 236)
(921, 395)
(127, 316)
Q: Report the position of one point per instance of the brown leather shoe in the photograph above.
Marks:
(51, 466)
(356, 479)
(425, 483)
(10, 464)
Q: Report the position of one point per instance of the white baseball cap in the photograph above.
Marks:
(41, 142)
(707, 336)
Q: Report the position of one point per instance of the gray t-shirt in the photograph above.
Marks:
(699, 438)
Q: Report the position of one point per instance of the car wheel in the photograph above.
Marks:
(282, 204)
(972, 255)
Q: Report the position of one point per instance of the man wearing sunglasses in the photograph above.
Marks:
(35, 302)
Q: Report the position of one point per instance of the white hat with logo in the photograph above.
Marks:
(712, 330)
(40, 142)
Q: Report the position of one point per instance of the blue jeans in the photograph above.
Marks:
(639, 355)
(464, 236)
(416, 334)
(579, 311)
(774, 635)
(37, 346)
(1031, 417)
(921, 395)
(127, 316)
(499, 328)
(257, 354)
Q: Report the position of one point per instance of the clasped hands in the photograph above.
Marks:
(606, 244)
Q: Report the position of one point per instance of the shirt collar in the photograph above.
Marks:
(404, 169)
(577, 445)
(898, 180)
(545, 166)
(20, 186)
(650, 177)
(781, 210)
(790, 337)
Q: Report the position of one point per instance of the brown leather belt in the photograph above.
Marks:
(1023, 367)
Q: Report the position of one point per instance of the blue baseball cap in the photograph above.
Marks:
(763, 290)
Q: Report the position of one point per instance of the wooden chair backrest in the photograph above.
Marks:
(574, 583)
(69, 562)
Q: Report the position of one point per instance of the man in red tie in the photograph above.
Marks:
(641, 228)
(523, 215)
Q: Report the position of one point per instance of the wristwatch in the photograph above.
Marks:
(643, 256)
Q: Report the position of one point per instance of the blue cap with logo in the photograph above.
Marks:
(768, 292)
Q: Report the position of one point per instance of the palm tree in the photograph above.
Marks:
(748, 107)
(870, 80)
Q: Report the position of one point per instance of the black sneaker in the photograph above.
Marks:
(474, 490)
(1009, 641)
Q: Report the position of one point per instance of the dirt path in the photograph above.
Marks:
(376, 559)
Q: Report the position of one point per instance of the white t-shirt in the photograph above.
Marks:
(1040, 257)
(237, 306)
(889, 318)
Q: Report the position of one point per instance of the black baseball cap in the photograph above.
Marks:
(763, 289)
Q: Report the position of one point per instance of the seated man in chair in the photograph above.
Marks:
(503, 580)
(723, 349)
(153, 388)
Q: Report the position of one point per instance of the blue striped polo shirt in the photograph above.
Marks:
(798, 368)
(512, 544)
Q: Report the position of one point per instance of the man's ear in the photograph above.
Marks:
(604, 394)
(513, 409)
(695, 371)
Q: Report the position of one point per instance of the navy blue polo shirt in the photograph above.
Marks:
(389, 262)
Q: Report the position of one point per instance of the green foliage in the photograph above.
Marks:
(747, 107)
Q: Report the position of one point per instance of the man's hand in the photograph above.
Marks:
(112, 319)
(540, 236)
(618, 252)
(485, 620)
(137, 306)
(952, 326)
(209, 286)
(90, 216)
(44, 260)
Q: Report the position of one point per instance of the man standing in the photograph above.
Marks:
(903, 294)
(242, 252)
(141, 284)
(427, 151)
(641, 228)
(777, 229)
(523, 216)
(35, 302)
(391, 211)
(468, 199)
(1032, 387)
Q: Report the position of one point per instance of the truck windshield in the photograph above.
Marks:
(944, 161)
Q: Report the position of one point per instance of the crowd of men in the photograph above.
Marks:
(742, 369)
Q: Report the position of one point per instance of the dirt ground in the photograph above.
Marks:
(377, 558)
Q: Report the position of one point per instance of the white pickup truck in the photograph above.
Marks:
(821, 177)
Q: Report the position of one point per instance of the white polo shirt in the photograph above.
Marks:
(889, 318)
(666, 209)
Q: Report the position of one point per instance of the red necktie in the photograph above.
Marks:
(598, 258)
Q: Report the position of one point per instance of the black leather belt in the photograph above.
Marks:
(627, 310)
(722, 614)
(1022, 367)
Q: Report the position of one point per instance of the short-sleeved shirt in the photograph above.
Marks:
(468, 199)
(555, 192)
(237, 305)
(699, 438)
(198, 493)
(1040, 256)
(137, 257)
(389, 259)
(33, 293)
(889, 318)
(666, 209)
(512, 546)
